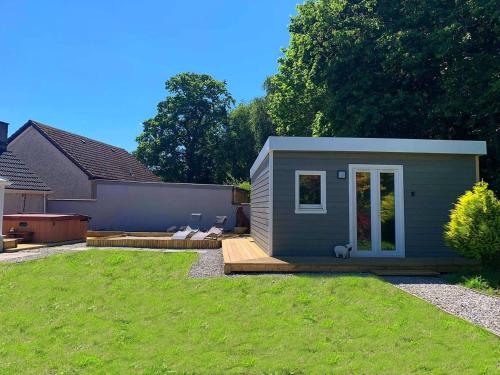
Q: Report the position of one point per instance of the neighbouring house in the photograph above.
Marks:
(386, 197)
(112, 187)
(70, 163)
(26, 191)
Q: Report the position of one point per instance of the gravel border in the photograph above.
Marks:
(465, 303)
(25, 255)
(210, 263)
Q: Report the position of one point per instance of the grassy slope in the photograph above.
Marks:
(123, 312)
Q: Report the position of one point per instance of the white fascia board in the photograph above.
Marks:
(390, 145)
(262, 155)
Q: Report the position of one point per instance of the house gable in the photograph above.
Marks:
(96, 159)
(65, 178)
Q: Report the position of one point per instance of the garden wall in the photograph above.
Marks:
(137, 206)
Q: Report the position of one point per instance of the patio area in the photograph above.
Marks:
(244, 255)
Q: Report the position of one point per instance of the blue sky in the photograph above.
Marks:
(98, 68)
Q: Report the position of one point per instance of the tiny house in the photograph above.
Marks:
(386, 197)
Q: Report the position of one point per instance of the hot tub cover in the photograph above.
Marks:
(41, 217)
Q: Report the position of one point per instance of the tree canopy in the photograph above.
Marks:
(364, 68)
(248, 129)
(384, 68)
(198, 136)
(180, 142)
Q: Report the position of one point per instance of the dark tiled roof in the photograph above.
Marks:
(98, 160)
(21, 177)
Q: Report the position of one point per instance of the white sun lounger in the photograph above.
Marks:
(211, 233)
(183, 234)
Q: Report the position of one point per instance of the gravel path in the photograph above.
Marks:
(24, 255)
(210, 263)
(465, 303)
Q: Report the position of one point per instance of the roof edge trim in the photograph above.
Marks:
(383, 145)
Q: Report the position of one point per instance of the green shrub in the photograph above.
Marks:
(245, 185)
(474, 227)
(487, 280)
(478, 283)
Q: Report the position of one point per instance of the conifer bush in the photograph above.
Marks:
(474, 226)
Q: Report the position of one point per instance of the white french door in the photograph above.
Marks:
(376, 210)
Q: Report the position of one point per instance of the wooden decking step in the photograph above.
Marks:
(244, 255)
(403, 272)
(10, 245)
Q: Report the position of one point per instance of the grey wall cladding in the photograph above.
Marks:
(260, 206)
(436, 180)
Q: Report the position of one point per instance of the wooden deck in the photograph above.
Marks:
(152, 242)
(244, 255)
(9, 244)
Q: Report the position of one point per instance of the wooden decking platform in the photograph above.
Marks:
(152, 242)
(244, 255)
(9, 244)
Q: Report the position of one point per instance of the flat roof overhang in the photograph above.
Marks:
(387, 145)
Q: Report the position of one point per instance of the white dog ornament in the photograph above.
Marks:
(343, 251)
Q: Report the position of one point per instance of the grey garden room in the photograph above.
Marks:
(388, 199)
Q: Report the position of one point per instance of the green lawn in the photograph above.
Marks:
(137, 312)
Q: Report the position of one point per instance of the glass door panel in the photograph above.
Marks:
(376, 210)
(387, 212)
(363, 211)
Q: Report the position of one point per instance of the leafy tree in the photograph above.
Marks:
(260, 123)
(248, 128)
(238, 147)
(180, 143)
(384, 68)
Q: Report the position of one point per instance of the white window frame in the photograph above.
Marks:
(310, 208)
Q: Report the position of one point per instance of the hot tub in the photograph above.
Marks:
(47, 228)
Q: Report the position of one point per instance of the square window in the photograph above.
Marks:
(310, 192)
(309, 189)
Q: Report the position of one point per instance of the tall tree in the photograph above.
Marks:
(248, 129)
(180, 143)
(260, 123)
(238, 146)
(385, 68)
